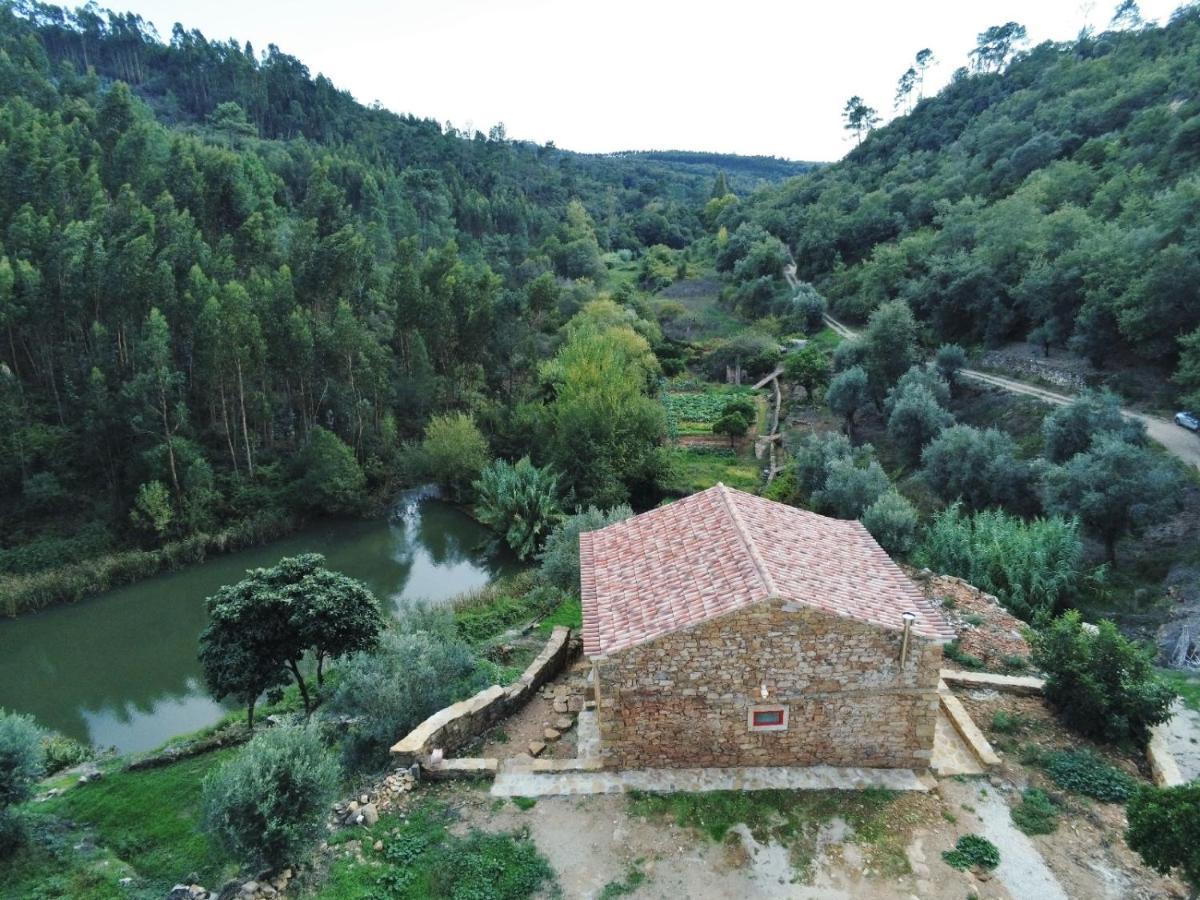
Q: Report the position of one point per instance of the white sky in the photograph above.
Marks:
(750, 76)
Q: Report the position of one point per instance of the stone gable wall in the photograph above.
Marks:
(683, 700)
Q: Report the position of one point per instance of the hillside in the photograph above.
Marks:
(1054, 201)
(208, 255)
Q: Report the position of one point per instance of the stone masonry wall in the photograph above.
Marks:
(683, 700)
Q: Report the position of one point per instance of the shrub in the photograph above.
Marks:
(972, 850)
(21, 758)
(1083, 772)
(1033, 567)
(389, 691)
(330, 479)
(268, 804)
(1036, 813)
(61, 752)
(455, 452)
(1102, 684)
(954, 652)
(1008, 723)
(519, 501)
(892, 521)
(732, 425)
(560, 557)
(1164, 828)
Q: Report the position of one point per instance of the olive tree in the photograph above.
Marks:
(848, 393)
(892, 521)
(850, 489)
(559, 559)
(1074, 428)
(916, 419)
(949, 360)
(980, 468)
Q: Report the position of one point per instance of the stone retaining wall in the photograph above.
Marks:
(450, 728)
(684, 700)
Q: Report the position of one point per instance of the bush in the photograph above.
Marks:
(21, 758)
(268, 804)
(1036, 813)
(1102, 684)
(892, 521)
(1164, 827)
(389, 691)
(1033, 567)
(330, 479)
(61, 752)
(1086, 773)
(954, 652)
(560, 557)
(972, 850)
(519, 501)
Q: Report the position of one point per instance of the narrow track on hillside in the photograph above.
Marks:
(1175, 440)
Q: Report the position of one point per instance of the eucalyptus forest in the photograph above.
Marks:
(242, 311)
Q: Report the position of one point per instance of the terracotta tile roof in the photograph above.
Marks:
(723, 549)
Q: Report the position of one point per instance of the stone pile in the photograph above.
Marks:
(261, 888)
(567, 699)
(365, 808)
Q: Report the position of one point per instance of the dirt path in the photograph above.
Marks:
(1182, 735)
(1176, 440)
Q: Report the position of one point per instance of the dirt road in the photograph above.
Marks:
(1175, 440)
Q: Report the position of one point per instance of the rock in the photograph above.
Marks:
(575, 704)
(564, 723)
(560, 705)
(364, 799)
(250, 887)
(369, 814)
(352, 806)
(90, 773)
(267, 890)
(551, 735)
(180, 892)
(536, 748)
(377, 846)
(125, 882)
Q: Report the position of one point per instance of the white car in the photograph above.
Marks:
(1187, 420)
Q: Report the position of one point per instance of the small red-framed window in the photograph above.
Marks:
(767, 718)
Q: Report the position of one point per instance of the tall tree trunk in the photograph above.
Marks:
(245, 430)
(300, 684)
(167, 436)
(228, 432)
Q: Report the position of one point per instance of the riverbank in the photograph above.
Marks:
(73, 582)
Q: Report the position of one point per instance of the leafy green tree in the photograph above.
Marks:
(1102, 684)
(1115, 489)
(892, 521)
(559, 559)
(904, 88)
(915, 420)
(1033, 567)
(979, 467)
(268, 805)
(919, 377)
(849, 489)
(1164, 828)
(231, 119)
(889, 345)
(806, 310)
(455, 452)
(994, 46)
(813, 456)
(152, 509)
(520, 501)
(732, 425)
(329, 478)
(809, 368)
(858, 118)
(260, 629)
(949, 360)
(848, 393)
(848, 354)
(1187, 376)
(1074, 428)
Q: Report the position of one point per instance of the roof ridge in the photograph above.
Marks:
(744, 533)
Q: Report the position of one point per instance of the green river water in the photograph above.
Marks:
(120, 668)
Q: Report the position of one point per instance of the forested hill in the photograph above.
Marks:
(1057, 200)
(227, 288)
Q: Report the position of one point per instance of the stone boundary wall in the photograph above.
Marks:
(1049, 370)
(1163, 767)
(450, 728)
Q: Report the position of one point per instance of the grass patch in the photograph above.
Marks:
(1186, 685)
(793, 818)
(524, 803)
(1005, 722)
(150, 820)
(1036, 813)
(421, 860)
(953, 652)
(485, 614)
(634, 878)
(569, 612)
(1083, 772)
(692, 469)
(972, 850)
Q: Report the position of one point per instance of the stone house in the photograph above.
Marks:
(729, 630)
